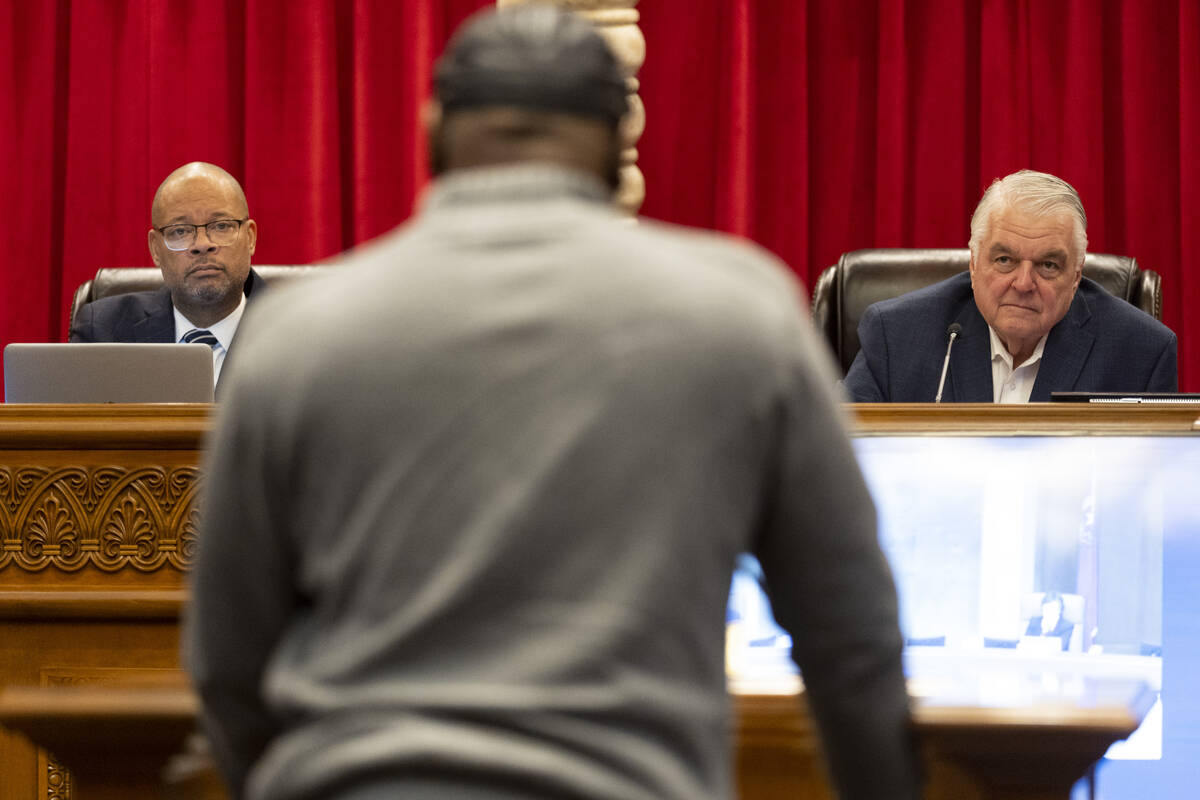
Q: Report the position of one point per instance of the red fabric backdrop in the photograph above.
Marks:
(811, 127)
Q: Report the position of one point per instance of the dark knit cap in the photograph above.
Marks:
(531, 56)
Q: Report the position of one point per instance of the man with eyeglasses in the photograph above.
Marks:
(201, 238)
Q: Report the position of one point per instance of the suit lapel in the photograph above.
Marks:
(1066, 351)
(970, 378)
(255, 288)
(159, 323)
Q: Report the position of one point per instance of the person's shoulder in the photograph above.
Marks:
(735, 302)
(1113, 315)
(294, 301)
(150, 298)
(750, 301)
(720, 261)
(736, 279)
(130, 305)
(112, 319)
(316, 305)
(936, 297)
(713, 243)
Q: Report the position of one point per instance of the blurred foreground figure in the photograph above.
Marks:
(473, 507)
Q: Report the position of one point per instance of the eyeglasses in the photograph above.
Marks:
(182, 236)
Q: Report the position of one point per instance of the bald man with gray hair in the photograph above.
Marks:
(472, 517)
(1024, 320)
(201, 237)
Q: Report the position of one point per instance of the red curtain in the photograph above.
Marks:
(809, 126)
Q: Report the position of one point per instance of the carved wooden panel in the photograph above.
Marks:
(98, 523)
(110, 517)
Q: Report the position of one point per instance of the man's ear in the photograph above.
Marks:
(153, 245)
(431, 117)
(433, 121)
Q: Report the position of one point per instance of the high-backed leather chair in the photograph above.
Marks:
(123, 280)
(863, 277)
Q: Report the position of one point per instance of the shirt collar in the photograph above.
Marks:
(1001, 352)
(223, 330)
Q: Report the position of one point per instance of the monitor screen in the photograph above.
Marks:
(1060, 556)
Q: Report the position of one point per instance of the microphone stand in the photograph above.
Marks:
(954, 330)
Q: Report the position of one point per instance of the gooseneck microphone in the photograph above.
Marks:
(953, 331)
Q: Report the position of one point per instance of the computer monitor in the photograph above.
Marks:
(1065, 555)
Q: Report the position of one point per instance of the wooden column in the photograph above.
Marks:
(617, 21)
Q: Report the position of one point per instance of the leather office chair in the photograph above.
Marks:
(122, 280)
(863, 277)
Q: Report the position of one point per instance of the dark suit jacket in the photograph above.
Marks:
(1103, 344)
(1063, 630)
(138, 316)
(141, 316)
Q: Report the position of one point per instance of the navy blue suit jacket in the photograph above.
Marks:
(139, 316)
(142, 317)
(1103, 344)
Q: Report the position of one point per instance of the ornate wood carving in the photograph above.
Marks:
(58, 780)
(110, 517)
(617, 21)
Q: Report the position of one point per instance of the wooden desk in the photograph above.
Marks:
(972, 750)
(117, 741)
(966, 419)
(97, 527)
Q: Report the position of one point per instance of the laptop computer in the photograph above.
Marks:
(108, 373)
(1124, 397)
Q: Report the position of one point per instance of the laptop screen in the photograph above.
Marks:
(1123, 397)
(108, 373)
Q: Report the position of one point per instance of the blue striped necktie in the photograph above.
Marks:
(201, 336)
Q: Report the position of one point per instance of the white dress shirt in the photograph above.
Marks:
(223, 330)
(1013, 385)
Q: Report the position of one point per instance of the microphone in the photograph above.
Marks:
(953, 331)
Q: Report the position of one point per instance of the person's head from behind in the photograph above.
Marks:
(1028, 241)
(202, 237)
(528, 84)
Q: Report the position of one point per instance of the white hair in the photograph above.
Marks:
(1039, 193)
